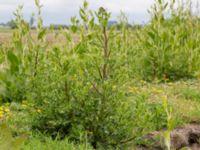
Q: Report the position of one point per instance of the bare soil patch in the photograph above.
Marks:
(186, 137)
(51, 38)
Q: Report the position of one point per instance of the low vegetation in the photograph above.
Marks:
(104, 89)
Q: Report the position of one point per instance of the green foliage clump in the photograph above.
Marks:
(79, 89)
(168, 47)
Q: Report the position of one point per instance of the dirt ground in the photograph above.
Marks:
(182, 138)
(5, 38)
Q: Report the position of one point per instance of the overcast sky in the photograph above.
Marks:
(60, 11)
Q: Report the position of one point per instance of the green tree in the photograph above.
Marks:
(32, 20)
(11, 24)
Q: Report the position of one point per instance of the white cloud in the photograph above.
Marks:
(126, 5)
(59, 11)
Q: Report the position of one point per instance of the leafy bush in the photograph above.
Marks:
(21, 59)
(168, 47)
(148, 117)
(78, 89)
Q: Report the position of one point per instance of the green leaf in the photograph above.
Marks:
(41, 34)
(12, 58)
(85, 4)
(165, 6)
(74, 29)
(37, 2)
(151, 35)
(14, 62)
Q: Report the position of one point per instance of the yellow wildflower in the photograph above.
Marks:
(38, 110)
(24, 105)
(1, 114)
(1, 108)
(155, 90)
(6, 110)
(133, 89)
(114, 86)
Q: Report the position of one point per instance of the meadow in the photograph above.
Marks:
(95, 86)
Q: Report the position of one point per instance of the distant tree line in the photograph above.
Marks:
(11, 24)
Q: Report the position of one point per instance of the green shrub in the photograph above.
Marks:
(79, 89)
(168, 47)
(18, 63)
(148, 117)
